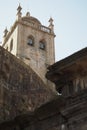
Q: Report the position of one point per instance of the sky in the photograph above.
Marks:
(70, 21)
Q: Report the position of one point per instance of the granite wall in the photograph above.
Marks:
(21, 90)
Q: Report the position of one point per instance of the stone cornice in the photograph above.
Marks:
(40, 28)
(74, 64)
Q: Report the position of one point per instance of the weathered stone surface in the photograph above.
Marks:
(70, 77)
(70, 74)
(65, 112)
(59, 114)
(46, 117)
(21, 90)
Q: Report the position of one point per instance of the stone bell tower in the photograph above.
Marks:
(32, 42)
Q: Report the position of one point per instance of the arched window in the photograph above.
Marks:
(11, 45)
(42, 45)
(30, 40)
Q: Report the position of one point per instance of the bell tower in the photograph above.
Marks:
(32, 42)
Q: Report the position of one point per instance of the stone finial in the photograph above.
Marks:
(19, 12)
(5, 32)
(19, 9)
(51, 25)
(28, 14)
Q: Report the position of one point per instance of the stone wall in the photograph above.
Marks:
(47, 117)
(21, 90)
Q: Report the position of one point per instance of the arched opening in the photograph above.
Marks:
(30, 40)
(42, 44)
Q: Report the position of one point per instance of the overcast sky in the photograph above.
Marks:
(70, 21)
